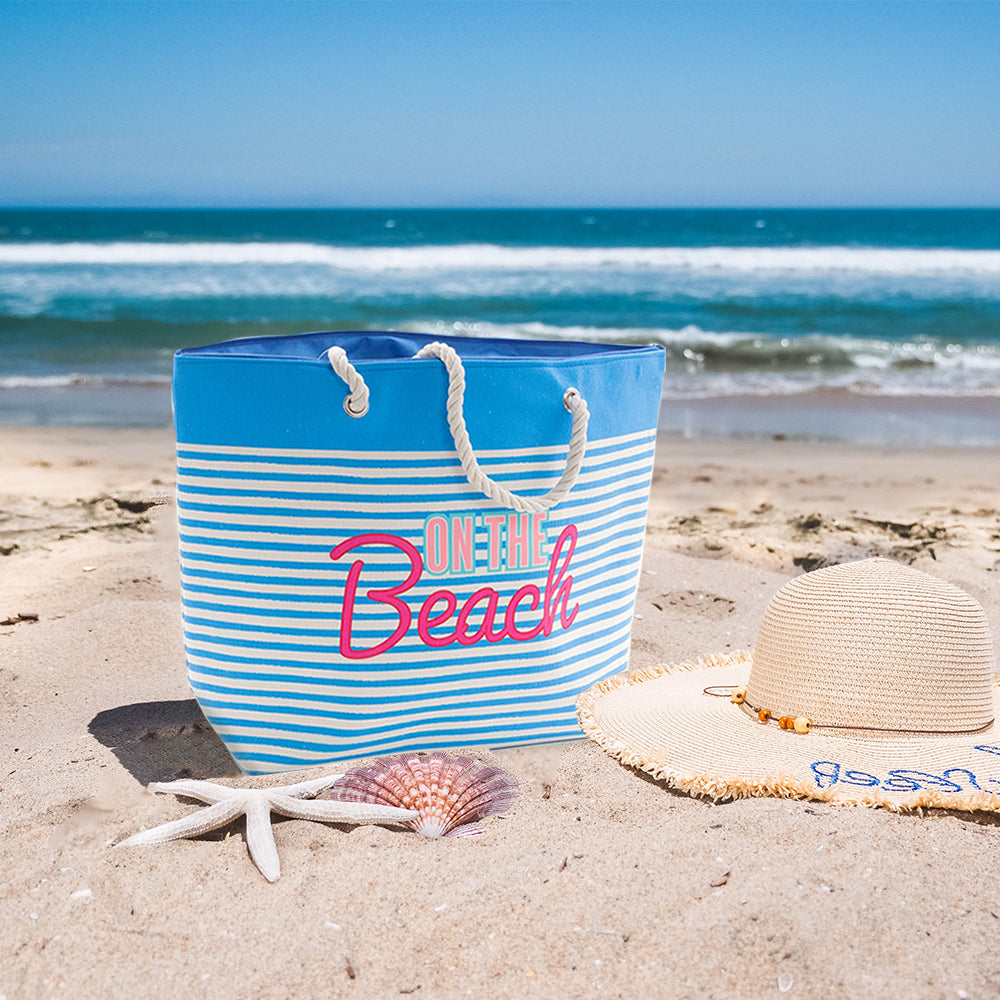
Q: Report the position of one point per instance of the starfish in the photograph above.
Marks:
(227, 803)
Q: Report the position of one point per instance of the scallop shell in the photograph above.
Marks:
(450, 793)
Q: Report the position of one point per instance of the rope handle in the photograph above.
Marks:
(573, 402)
(356, 405)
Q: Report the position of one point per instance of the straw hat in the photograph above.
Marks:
(870, 683)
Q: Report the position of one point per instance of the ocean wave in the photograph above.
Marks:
(759, 385)
(828, 289)
(493, 257)
(73, 380)
(759, 349)
(680, 383)
(50, 353)
(699, 363)
(705, 363)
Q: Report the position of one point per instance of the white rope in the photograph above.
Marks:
(573, 402)
(356, 405)
(356, 402)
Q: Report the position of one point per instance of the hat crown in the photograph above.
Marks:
(878, 646)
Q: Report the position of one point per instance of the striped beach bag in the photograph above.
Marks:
(390, 542)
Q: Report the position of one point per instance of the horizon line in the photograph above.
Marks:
(196, 207)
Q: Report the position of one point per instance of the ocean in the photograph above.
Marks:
(879, 326)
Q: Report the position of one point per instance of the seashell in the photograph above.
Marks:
(450, 793)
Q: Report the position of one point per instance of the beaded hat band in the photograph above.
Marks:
(802, 724)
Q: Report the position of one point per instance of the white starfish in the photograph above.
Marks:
(258, 803)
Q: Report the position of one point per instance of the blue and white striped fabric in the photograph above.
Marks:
(347, 592)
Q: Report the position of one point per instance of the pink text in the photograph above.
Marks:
(531, 611)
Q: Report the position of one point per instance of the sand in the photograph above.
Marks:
(598, 883)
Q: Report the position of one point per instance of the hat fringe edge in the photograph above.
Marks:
(784, 786)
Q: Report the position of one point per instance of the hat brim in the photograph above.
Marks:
(661, 722)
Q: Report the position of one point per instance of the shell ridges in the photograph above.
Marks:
(449, 793)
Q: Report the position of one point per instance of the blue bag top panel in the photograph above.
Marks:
(366, 345)
(281, 392)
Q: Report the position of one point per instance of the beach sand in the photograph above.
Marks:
(598, 883)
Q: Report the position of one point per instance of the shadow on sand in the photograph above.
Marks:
(163, 741)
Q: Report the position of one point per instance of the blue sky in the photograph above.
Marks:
(499, 103)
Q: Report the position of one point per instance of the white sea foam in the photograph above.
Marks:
(87, 280)
(708, 364)
(546, 331)
(490, 257)
(40, 381)
(77, 380)
(862, 351)
(720, 387)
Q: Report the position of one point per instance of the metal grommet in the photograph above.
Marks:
(351, 411)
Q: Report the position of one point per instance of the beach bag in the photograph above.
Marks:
(390, 542)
